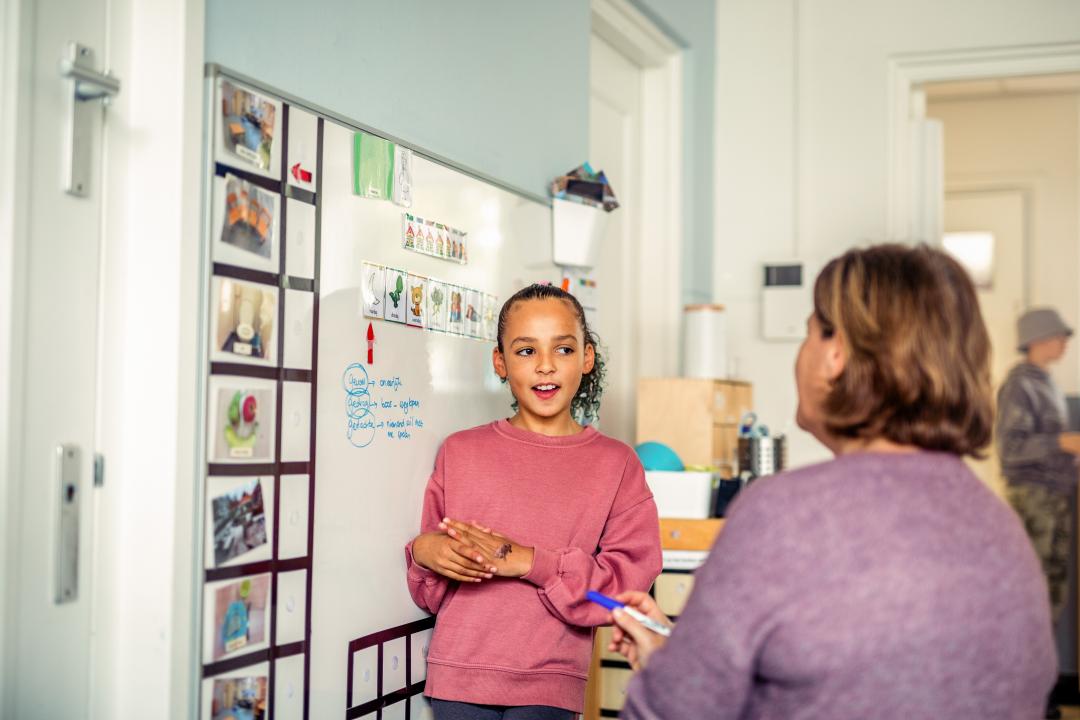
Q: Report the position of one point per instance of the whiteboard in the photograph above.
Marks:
(337, 497)
(368, 499)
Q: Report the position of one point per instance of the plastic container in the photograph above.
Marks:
(682, 494)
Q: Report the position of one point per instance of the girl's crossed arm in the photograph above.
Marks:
(434, 558)
(628, 557)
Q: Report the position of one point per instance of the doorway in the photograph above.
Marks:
(1011, 157)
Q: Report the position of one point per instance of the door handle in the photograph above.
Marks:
(87, 85)
(69, 497)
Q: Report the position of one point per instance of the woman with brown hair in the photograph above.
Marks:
(888, 582)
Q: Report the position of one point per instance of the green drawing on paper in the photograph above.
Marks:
(395, 294)
(373, 166)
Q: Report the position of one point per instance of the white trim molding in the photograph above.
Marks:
(906, 73)
(626, 28)
(630, 32)
(16, 22)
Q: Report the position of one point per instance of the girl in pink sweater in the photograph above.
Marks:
(570, 510)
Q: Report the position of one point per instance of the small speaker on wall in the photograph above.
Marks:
(786, 301)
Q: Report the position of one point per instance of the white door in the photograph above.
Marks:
(614, 147)
(55, 375)
(1000, 213)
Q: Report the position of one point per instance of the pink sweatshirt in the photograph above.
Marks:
(581, 501)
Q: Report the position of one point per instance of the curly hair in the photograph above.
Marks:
(585, 407)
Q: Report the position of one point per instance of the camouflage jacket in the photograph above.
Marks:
(1029, 420)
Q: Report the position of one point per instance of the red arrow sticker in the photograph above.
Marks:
(370, 344)
(300, 173)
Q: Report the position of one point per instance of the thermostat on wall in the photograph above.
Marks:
(786, 301)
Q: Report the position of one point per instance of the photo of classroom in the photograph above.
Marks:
(569, 360)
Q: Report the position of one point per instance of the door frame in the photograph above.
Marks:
(628, 30)
(142, 647)
(15, 23)
(907, 72)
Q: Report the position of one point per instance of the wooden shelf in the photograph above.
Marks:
(679, 534)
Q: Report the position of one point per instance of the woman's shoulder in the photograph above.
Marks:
(772, 492)
(865, 479)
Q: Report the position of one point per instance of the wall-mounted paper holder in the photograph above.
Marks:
(577, 230)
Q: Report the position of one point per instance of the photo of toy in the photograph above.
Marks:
(239, 698)
(241, 433)
(243, 426)
(249, 217)
(239, 521)
(240, 614)
(248, 124)
(245, 319)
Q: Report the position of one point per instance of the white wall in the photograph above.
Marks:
(802, 145)
(1030, 143)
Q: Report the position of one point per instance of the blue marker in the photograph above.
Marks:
(613, 604)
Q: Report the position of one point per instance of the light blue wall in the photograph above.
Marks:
(692, 23)
(499, 87)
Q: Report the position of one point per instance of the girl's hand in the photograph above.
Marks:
(630, 638)
(452, 557)
(509, 558)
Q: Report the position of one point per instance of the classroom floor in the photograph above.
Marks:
(1070, 712)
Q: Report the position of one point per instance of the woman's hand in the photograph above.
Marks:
(509, 558)
(630, 638)
(452, 557)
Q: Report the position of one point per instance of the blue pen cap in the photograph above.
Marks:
(604, 600)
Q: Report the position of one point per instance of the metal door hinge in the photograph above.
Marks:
(99, 470)
(87, 86)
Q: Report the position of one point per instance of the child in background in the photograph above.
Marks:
(571, 513)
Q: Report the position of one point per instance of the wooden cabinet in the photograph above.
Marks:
(609, 673)
(698, 419)
(671, 591)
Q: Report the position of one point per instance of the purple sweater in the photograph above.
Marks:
(883, 586)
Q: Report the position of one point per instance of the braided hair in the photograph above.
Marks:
(585, 407)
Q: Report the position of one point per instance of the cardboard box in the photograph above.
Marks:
(696, 418)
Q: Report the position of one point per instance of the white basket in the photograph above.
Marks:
(577, 230)
(681, 494)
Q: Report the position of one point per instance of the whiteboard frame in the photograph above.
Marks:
(213, 73)
(214, 70)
